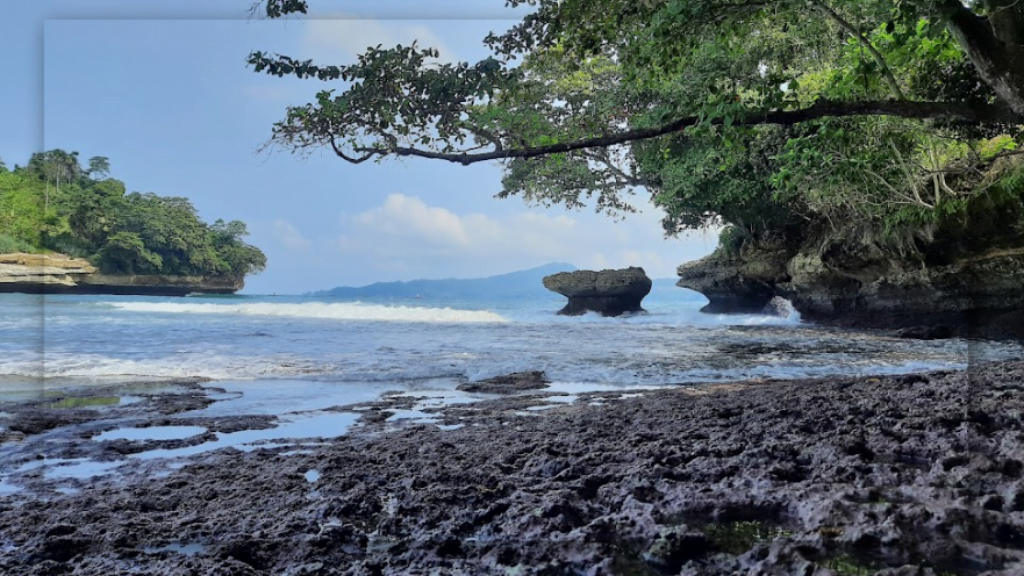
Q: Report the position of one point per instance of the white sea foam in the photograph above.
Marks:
(336, 311)
(99, 368)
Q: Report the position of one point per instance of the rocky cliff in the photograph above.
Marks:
(977, 294)
(59, 274)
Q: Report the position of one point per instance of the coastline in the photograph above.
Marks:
(911, 474)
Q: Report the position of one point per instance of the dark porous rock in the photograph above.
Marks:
(608, 292)
(741, 283)
(676, 546)
(836, 475)
(508, 383)
(939, 332)
(974, 291)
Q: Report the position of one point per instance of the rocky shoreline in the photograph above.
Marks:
(970, 292)
(60, 274)
(913, 474)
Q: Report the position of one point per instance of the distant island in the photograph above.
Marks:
(521, 283)
(513, 284)
(69, 228)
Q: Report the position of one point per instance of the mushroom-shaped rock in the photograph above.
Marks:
(608, 292)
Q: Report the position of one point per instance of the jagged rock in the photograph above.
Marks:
(508, 383)
(979, 295)
(158, 284)
(739, 284)
(608, 292)
(21, 270)
(60, 274)
(674, 547)
(938, 332)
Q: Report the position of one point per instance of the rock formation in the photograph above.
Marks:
(508, 384)
(608, 292)
(739, 284)
(60, 274)
(977, 295)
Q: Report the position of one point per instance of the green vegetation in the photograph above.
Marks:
(738, 537)
(84, 402)
(53, 204)
(894, 121)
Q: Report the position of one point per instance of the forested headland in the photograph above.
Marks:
(55, 204)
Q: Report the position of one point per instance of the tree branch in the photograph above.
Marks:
(625, 178)
(879, 59)
(970, 113)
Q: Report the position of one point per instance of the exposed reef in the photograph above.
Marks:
(917, 474)
(608, 292)
(60, 274)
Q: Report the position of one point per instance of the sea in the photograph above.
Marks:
(55, 342)
(315, 362)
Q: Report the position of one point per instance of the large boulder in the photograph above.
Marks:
(608, 292)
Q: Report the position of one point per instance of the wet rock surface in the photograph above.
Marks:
(508, 383)
(912, 474)
(972, 292)
(607, 292)
(938, 332)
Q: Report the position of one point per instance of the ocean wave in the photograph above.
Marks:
(661, 316)
(335, 311)
(96, 367)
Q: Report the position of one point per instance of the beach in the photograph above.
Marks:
(917, 473)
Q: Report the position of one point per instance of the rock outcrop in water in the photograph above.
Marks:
(959, 292)
(508, 384)
(60, 274)
(737, 285)
(608, 292)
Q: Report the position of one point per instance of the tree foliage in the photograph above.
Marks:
(767, 115)
(55, 204)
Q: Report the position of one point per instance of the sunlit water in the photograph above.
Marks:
(61, 341)
(293, 357)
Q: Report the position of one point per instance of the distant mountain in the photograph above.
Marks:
(521, 283)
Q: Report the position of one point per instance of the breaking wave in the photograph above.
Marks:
(335, 311)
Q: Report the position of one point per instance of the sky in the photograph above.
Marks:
(163, 91)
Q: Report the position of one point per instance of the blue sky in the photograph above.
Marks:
(162, 89)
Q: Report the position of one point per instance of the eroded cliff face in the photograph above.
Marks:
(741, 282)
(60, 274)
(975, 294)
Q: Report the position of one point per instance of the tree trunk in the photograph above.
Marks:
(995, 45)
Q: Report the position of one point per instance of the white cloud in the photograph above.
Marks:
(407, 217)
(343, 38)
(289, 235)
(405, 238)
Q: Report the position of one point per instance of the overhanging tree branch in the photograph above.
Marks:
(856, 34)
(953, 111)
